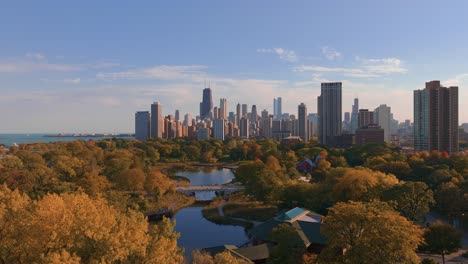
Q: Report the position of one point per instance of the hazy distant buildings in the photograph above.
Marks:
(206, 106)
(142, 125)
(157, 123)
(329, 112)
(303, 126)
(436, 118)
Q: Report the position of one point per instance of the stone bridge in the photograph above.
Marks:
(210, 188)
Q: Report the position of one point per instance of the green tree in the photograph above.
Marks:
(289, 247)
(413, 199)
(441, 239)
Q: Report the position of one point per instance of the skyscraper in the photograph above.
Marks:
(302, 122)
(382, 117)
(177, 115)
(157, 121)
(142, 125)
(354, 116)
(329, 112)
(277, 108)
(206, 106)
(238, 114)
(436, 118)
(244, 110)
(254, 114)
(223, 108)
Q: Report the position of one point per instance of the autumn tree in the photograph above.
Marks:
(201, 257)
(361, 184)
(158, 183)
(370, 232)
(441, 239)
(132, 179)
(74, 227)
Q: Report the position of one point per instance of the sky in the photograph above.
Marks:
(88, 66)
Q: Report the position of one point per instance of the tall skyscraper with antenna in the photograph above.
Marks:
(206, 106)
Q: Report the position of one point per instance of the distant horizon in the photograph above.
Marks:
(64, 66)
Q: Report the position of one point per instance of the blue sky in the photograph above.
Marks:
(87, 66)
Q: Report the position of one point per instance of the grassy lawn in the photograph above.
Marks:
(173, 200)
(241, 206)
(210, 212)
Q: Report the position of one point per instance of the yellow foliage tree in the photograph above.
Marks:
(371, 232)
(74, 227)
(361, 184)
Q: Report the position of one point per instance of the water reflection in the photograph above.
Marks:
(208, 176)
(197, 232)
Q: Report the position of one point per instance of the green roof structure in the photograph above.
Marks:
(306, 223)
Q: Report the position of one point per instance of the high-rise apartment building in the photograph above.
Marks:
(206, 106)
(157, 122)
(187, 120)
(219, 129)
(267, 124)
(142, 125)
(383, 118)
(244, 127)
(302, 122)
(436, 118)
(329, 112)
(365, 118)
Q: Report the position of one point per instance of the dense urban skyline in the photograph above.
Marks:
(64, 67)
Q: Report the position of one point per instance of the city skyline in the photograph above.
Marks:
(66, 68)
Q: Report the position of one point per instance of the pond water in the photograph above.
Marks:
(197, 232)
(208, 176)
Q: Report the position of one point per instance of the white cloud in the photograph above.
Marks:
(331, 53)
(36, 56)
(367, 68)
(283, 54)
(163, 72)
(458, 80)
(68, 81)
(104, 65)
(383, 66)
